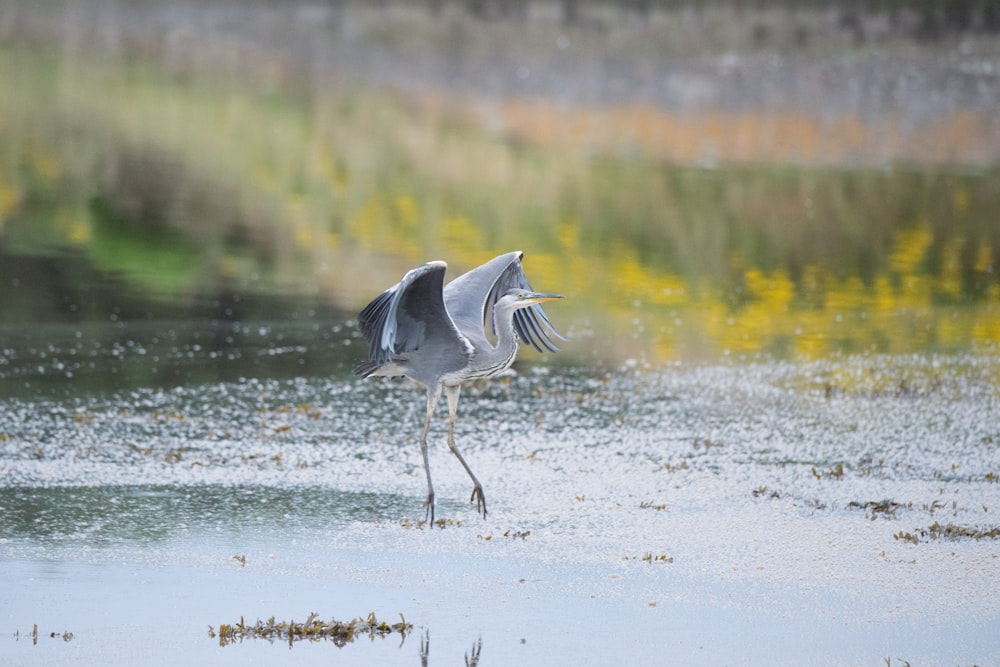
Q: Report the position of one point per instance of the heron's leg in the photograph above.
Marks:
(425, 647)
(452, 392)
(433, 396)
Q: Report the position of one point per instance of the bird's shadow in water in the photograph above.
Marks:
(471, 658)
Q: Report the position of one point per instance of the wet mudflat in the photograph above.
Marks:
(840, 511)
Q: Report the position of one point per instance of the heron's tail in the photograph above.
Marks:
(365, 368)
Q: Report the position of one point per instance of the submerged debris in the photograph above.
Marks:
(313, 629)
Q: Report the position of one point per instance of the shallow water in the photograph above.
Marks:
(693, 513)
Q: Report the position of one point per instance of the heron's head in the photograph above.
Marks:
(521, 298)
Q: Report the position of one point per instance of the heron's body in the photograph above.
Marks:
(435, 334)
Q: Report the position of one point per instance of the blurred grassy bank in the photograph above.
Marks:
(191, 181)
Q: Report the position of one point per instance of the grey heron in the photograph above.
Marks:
(436, 335)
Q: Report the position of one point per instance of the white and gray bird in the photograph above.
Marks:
(436, 335)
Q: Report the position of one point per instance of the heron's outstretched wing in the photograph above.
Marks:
(410, 316)
(470, 299)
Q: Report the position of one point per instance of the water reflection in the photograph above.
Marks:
(315, 630)
(189, 180)
(108, 514)
(471, 657)
(67, 328)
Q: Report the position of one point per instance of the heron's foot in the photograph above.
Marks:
(480, 499)
(429, 503)
(473, 660)
(425, 648)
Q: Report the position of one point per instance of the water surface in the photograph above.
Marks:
(698, 506)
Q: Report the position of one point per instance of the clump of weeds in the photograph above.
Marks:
(312, 629)
(66, 636)
(882, 508)
(836, 472)
(422, 523)
(650, 557)
(949, 531)
(507, 534)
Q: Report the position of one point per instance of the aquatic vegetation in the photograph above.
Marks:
(507, 534)
(949, 531)
(836, 472)
(706, 443)
(884, 508)
(407, 522)
(657, 558)
(903, 663)
(66, 635)
(313, 629)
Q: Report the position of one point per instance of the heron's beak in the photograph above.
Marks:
(538, 297)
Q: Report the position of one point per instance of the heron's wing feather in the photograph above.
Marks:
(470, 299)
(466, 296)
(410, 315)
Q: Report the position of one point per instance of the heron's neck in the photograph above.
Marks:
(499, 357)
